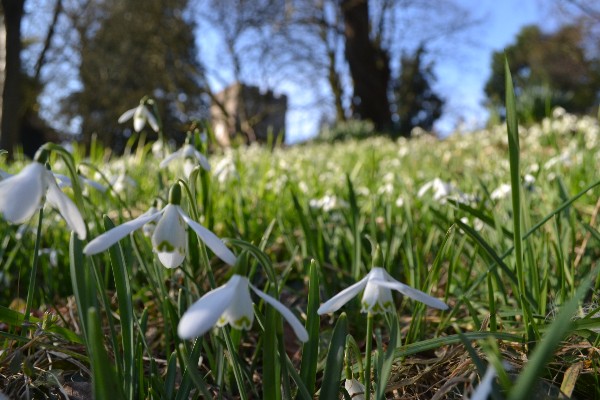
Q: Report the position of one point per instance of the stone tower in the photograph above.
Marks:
(246, 111)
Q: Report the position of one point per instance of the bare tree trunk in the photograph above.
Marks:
(12, 96)
(336, 88)
(369, 65)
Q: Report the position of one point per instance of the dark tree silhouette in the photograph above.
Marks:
(12, 96)
(369, 66)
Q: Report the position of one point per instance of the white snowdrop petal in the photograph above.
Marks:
(21, 195)
(66, 208)
(139, 119)
(294, 322)
(240, 313)
(210, 239)
(169, 158)
(355, 389)
(376, 298)
(337, 301)
(205, 313)
(117, 233)
(95, 185)
(171, 259)
(485, 386)
(126, 115)
(151, 119)
(202, 160)
(412, 293)
(170, 237)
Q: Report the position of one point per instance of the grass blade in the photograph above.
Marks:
(126, 315)
(310, 350)
(105, 383)
(335, 360)
(559, 328)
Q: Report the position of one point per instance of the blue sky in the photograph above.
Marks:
(462, 82)
(460, 76)
(460, 79)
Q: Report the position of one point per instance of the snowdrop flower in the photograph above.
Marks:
(191, 157)
(400, 202)
(225, 169)
(65, 181)
(444, 190)
(529, 182)
(565, 158)
(377, 296)
(23, 194)
(501, 192)
(52, 256)
(441, 189)
(140, 114)
(122, 183)
(328, 203)
(231, 304)
(355, 389)
(169, 238)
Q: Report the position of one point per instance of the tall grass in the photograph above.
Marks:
(515, 269)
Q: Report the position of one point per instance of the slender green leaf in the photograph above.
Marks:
(330, 386)
(126, 315)
(560, 327)
(105, 383)
(310, 350)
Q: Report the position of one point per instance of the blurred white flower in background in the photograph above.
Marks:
(328, 203)
(140, 114)
(191, 158)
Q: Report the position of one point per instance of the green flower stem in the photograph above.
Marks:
(34, 267)
(347, 362)
(368, 350)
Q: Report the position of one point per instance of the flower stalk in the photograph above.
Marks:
(368, 351)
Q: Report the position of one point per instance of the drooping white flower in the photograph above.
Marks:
(65, 181)
(231, 304)
(140, 114)
(169, 238)
(441, 189)
(445, 190)
(23, 194)
(122, 183)
(226, 169)
(355, 389)
(191, 158)
(328, 203)
(377, 296)
(501, 192)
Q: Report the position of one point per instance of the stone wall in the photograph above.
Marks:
(246, 111)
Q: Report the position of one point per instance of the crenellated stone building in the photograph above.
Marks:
(246, 111)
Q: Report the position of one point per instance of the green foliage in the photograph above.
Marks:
(549, 70)
(345, 130)
(325, 202)
(124, 57)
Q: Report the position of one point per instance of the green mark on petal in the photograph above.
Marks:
(165, 247)
(242, 323)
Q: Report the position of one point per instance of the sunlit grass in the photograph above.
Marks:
(308, 216)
